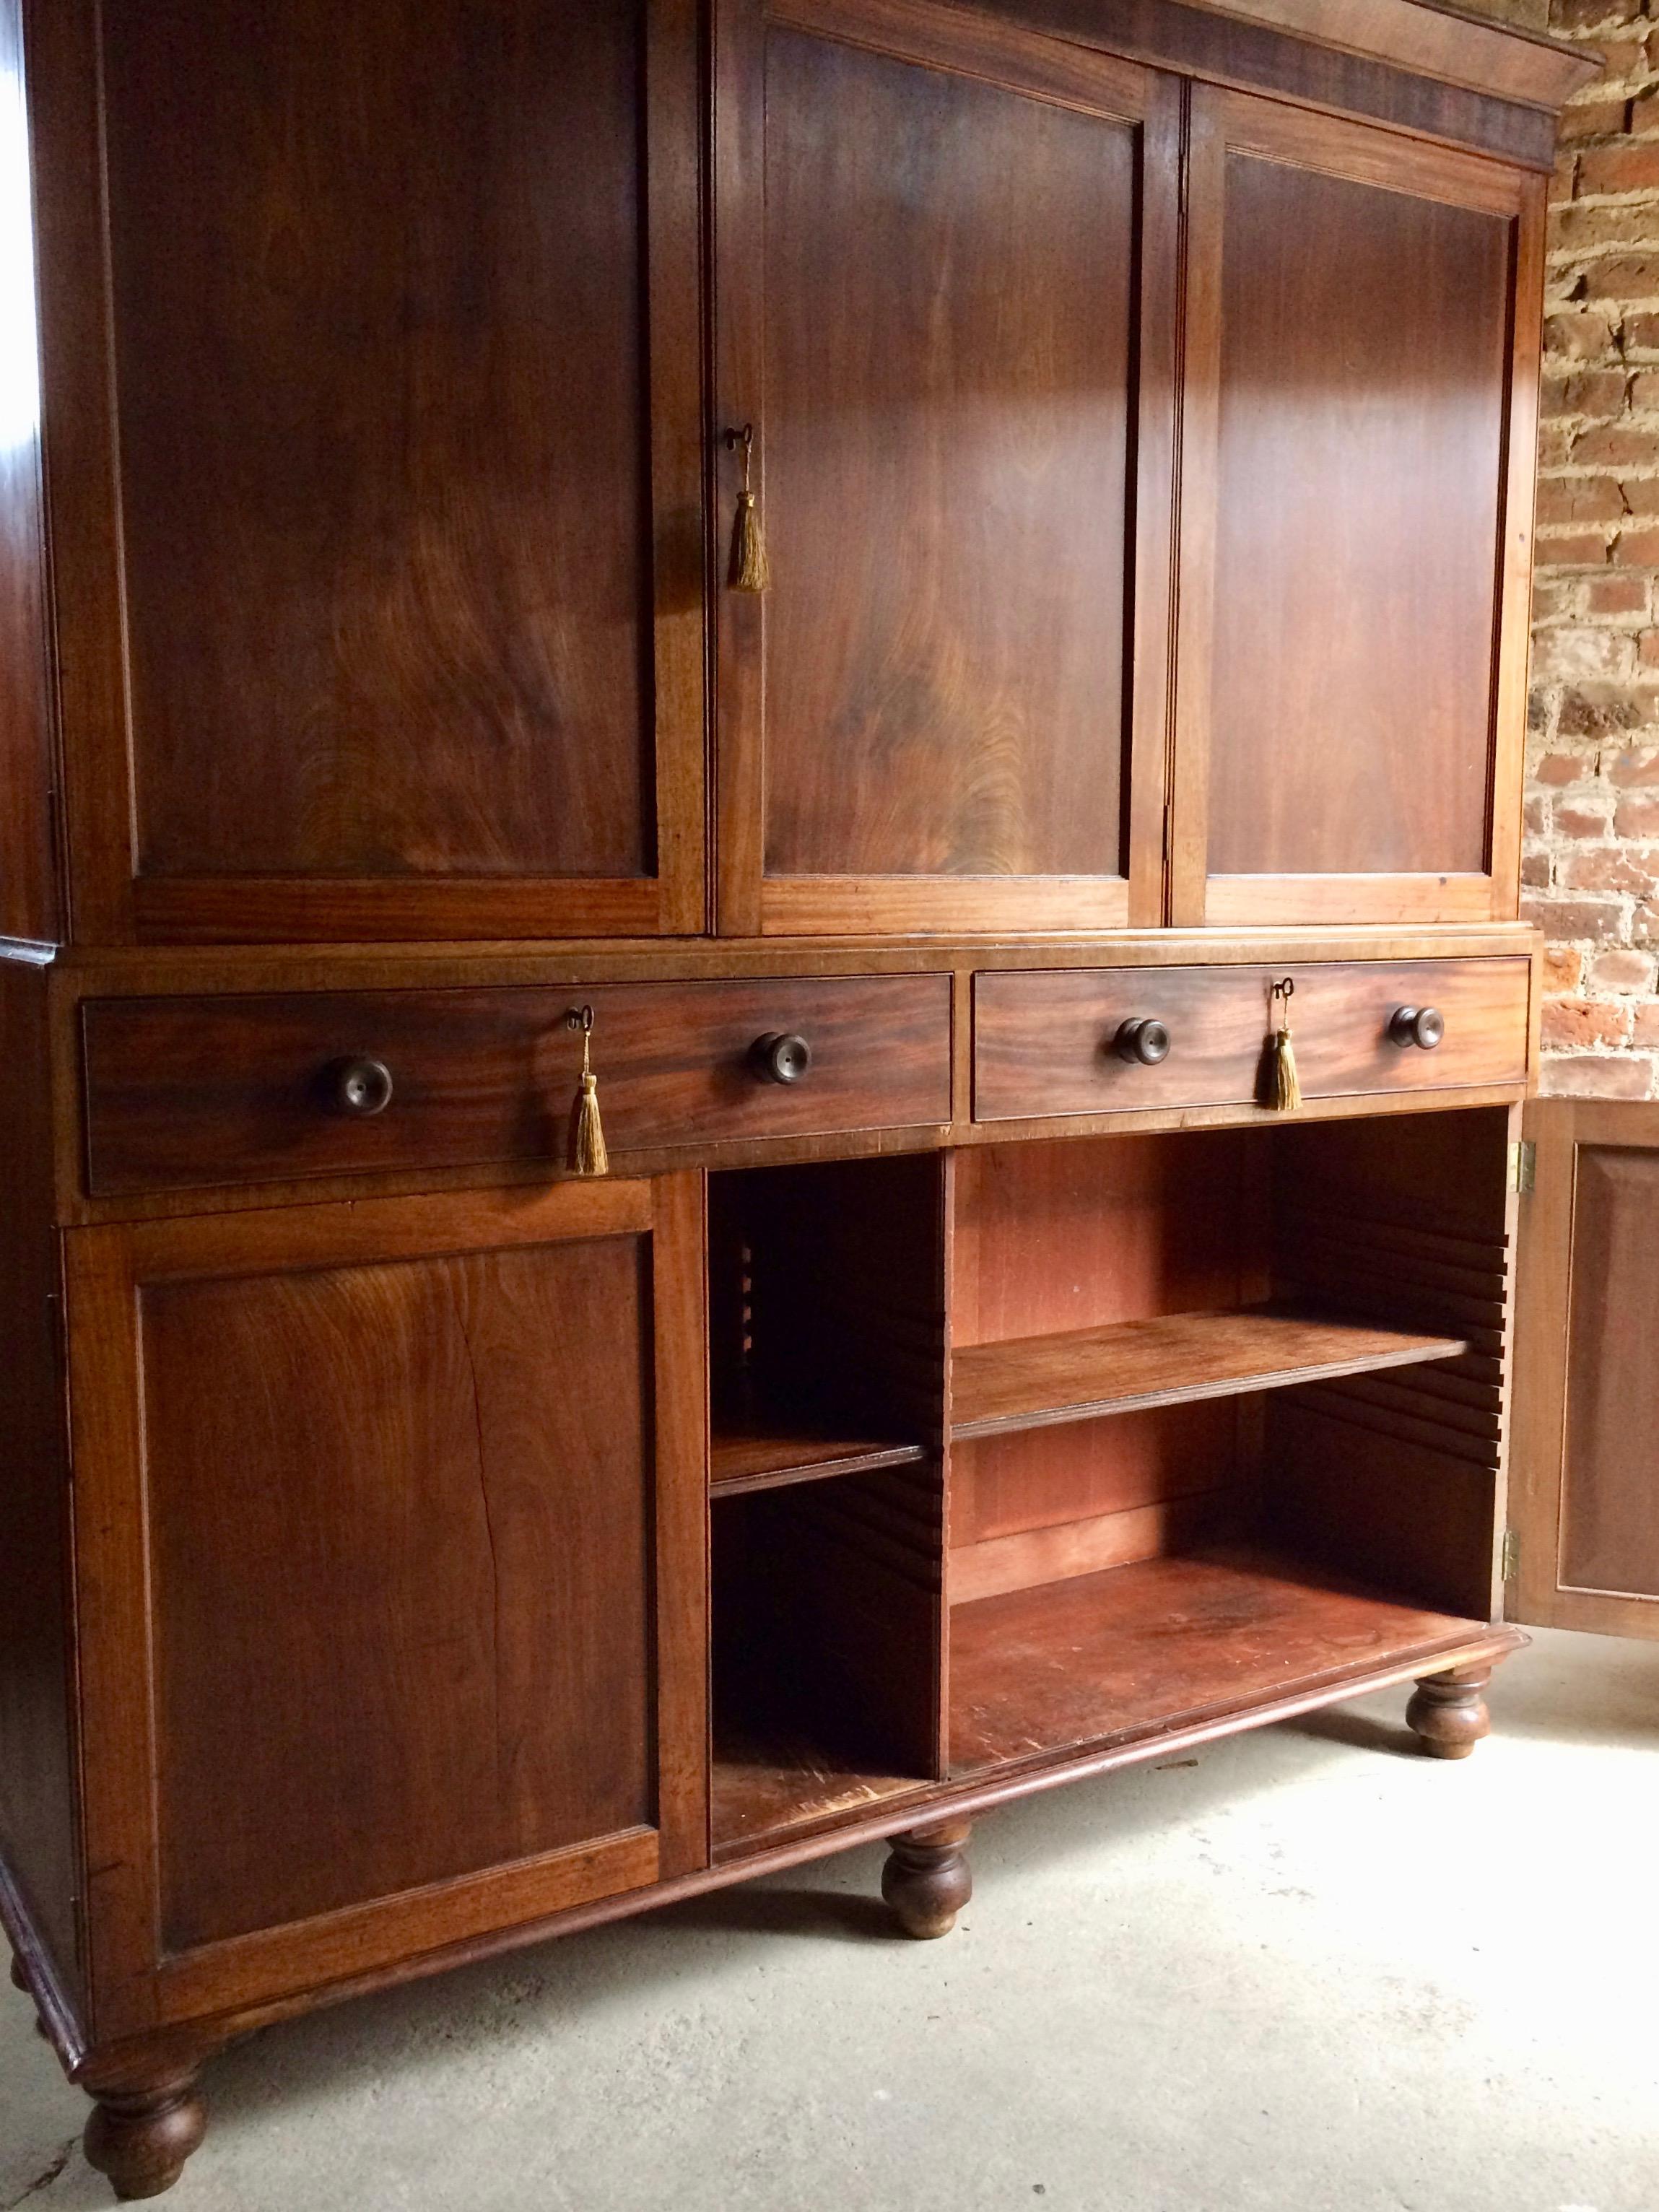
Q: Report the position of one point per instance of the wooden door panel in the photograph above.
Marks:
(942, 305)
(406, 407)
(1358, 428)
(1585, 1486)
(417, 1519)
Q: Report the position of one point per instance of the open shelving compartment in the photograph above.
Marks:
(1224, 1422)
(1037, 1450)
(826, 1487)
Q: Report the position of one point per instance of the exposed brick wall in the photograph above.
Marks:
(1591, 859)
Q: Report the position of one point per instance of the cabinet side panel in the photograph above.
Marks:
(1609, 1499)
(399, 1531)
(29, 880)
(38, 1835)
(380, 353)
(949, 269)
(1365, 386)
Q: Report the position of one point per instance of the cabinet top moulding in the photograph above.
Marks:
(1408, 63)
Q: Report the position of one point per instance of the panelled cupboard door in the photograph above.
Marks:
(390, 1571)
(945, 261)
(1357, 490)
(1585, 1465)
(374, 417)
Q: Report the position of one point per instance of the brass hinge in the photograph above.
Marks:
(1523, 1167)
(1510, 1555)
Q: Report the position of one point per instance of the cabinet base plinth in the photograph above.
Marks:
(927, 1880)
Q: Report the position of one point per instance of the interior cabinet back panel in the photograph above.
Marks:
(950, 272)
(400, 1574)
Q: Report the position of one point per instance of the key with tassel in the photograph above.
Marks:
(587, 1155)
(750, 570)
(1286, 1083)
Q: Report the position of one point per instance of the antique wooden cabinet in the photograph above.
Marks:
(935, 593)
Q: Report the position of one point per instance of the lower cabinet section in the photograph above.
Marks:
(448, 1564)
(390, 1556)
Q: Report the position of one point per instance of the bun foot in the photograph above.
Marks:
(1447, 1713)
(927, 1879)
(140, 2138)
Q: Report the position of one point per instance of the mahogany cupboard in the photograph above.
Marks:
(935, 594)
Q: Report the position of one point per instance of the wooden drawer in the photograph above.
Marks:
(193, 1091)
(1045, 1043)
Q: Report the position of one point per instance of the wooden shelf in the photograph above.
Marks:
(762, 1458)
(1034, 1381)
(1139, 1651)
(766, 1785)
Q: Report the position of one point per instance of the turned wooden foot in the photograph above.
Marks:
(1448, 1713)
(927, 1879)
(141, 2138)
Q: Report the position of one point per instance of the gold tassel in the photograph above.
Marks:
(588, 1156)
(750, 570)
(1287, 1084)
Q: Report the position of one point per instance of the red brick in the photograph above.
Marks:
(1554, 446)
(1592, 921)
(1615, 446)
(1581, 821)
(1645, 1030)
(1599, 118)
(1625, 275)
(1579, 499)
(1641, 494)
(1564, 967)
(1639, 817)
(1618, 169)
(1647, 648)
(1592, 713)
(1572, 1023)
(1580, 334)
(1616, 595)
(1561, 769)
(1591, 15)
(1535, 872)
(1642, 333)
(1580, 552)
(1643, 389)
(1634, 767)
(1595, 392)
(1535, 818)
(1612, 868)
(1621, 971)
(1597, 1075)
(1636, 548)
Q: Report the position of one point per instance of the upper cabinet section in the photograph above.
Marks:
(1357, 494)
(380, 450)
(945, 302)
(1135, 406)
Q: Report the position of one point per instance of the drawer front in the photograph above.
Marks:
(185, 1092)
(1045, 1043)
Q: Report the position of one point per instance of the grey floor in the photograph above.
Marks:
(1304, 1969)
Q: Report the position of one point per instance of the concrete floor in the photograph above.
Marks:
(1302, 1970)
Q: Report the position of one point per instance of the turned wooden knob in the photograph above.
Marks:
(781, 1057)
(360, 1087)
(1423, 1026)
(1144, 1043)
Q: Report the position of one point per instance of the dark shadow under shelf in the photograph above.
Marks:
(1142, 1650)
(758, 1456)
(1035, 1381)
